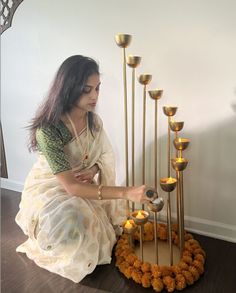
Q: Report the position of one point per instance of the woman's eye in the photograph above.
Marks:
(86, 90)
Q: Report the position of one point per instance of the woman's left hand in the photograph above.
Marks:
(87, 175)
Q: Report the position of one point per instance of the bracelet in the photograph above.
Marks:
(100, 192)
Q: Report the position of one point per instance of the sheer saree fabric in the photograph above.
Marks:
(70, 235)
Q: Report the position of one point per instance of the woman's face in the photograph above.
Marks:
(88, 99)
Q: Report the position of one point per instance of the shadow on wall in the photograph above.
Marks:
(210, 177)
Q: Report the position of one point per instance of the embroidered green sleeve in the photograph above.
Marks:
(50, 143)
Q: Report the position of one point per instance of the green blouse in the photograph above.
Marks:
(50, 142)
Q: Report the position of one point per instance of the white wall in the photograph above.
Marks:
(189, 47)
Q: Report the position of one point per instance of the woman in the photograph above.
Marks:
(70, 207)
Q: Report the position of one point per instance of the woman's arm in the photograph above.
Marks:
(90, 191)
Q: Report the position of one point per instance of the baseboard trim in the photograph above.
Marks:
(11, 185)
(206, 227)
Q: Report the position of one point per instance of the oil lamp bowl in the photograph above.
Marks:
(145, 79)
(168, 186)
(133, 61)
(155, 94)
(169, 111)
(123, 40)
(176, 126)
(138, 221)
(181, 143)
(179, 164)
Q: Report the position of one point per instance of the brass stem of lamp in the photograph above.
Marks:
(156, 206)
(168, 148)
(133, 62)
(182, 209)
(155, 237)
(169, 111)
(155, 95)
(179, 164)
(126, 129)
(144, 134)
(144, 79)
(179, 214)
(169, 228)
(141, 241)
(133, 130)
(168, 185)
(123, 41)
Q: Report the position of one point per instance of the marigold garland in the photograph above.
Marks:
(186, 272)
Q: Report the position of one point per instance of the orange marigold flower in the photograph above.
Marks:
(156, 271)
(131, 258)
(194, 272)
(136, 276)
(169, 283)
(188, 277)
(157, 284)
(183, 265)
(146, 267)
(138, 264)
(180, 282)
(187, 259)
(146, 280)
(199, 266)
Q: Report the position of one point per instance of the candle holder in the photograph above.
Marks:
(133, 62)
(130, 228)
(169, 110)
(155, 95)
(168, 184)
(176, 126)
(144, 79)
(179, 164)
(140, 218)
(123, 41)
(156, 206)
(181, 144)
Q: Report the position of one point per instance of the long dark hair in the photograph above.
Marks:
(65, 91)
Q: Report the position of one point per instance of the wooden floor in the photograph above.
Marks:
(19, 274)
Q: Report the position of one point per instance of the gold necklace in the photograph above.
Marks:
(85, 152)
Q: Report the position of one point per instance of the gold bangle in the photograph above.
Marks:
(100, 192)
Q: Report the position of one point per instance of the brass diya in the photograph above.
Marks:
(168, 184)
(155, 94)
(169, 111)
(179, 164)
(181, 143)
(133, 61)
(176, 125)
(145, 79)
(123, 40)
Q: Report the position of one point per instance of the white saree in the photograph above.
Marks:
(69, 235)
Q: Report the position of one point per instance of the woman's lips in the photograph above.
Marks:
(92, 105)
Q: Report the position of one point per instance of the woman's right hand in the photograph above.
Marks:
(137, 194)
